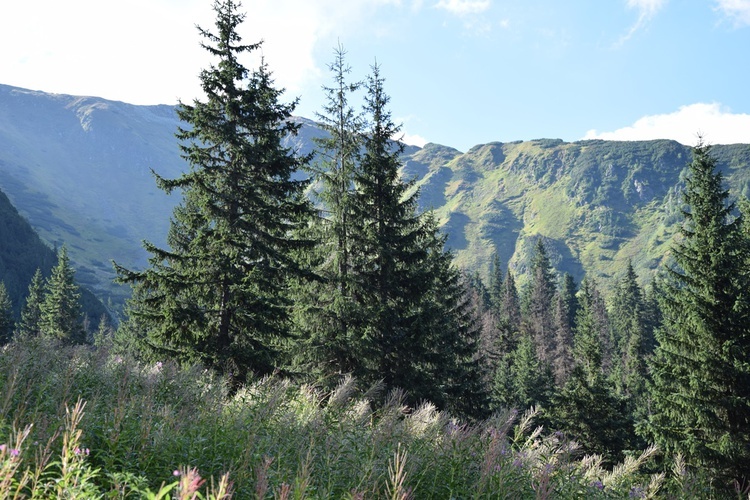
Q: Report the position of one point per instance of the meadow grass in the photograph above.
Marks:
(83, 422)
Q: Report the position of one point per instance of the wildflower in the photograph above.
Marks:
(2, 448)
(637, 492)
(15, 452)
(598, 485)
(176, 472)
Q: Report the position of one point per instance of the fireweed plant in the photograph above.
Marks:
(82, 422)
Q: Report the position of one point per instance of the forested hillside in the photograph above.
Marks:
(319, 311)
(79, 169)
(596, 204)
(22, 252)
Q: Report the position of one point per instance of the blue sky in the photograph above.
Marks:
(459, 72)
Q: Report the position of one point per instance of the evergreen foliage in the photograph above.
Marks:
(219, 293)
(60, 311)
(586, 408)
(7, 323)
(566, 309)
(31, 313)
(632, 337)
(539, 304)
(412, 325)
(326, 308)
(700, 393)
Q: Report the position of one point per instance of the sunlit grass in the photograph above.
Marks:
(77, 422)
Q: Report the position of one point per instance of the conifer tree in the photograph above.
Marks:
(631, 336)
(539, 304)
(413, 325)
(700, 393)
(7, 323)
(526, 381)
(566, 307)
(31, 312)
(587, 408)
(496, 283)
(218, 295)
(510, 305)
(388, 253)
(61, 310)
(325, 306)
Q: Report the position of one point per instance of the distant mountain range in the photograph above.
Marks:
(79, 169)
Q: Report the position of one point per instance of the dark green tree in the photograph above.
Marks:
(413, 323)
(538, 302)
(61, 310)
(587, 408)
(523, 381)
(7, 323)
(218, 295)
(631, 337)
(496, 282)
(566, 308)
(325, 306)
(700, 393)
(31, 313)
(510, 305)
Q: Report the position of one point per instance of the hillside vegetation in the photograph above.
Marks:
(596, 204)
(79, 169)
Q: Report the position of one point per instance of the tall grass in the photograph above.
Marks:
(78, 422)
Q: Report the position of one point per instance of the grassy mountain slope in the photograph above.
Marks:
(79, 169)
(596, 203)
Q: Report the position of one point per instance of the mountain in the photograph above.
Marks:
(79, 169)
(22, 252)
(596, 204)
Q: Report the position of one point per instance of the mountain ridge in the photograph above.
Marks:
(79, 169)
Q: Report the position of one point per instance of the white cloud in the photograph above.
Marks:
(738, 11)
(647, 9)
(463, 7)
(413, 139)
(714, 123)
(147, 51)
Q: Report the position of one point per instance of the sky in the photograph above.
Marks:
(459, 72)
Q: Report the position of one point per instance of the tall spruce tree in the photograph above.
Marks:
(31, 313)
(325, 307)
(510, 305)
(700, 394)
(218, 295)
(413, 323)
(61, 310)
(566, 308)
(7, 323)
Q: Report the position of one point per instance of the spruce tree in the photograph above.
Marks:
(700, 393)
(539, 304)
(7, 323)
(61, 310)
(413, 322)
(631, 337)
(218, 295)
(388, 254)
(31, 312)
(587, 408)
(526, 381)
(325, 306)
(510, 305)
(566, 308)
